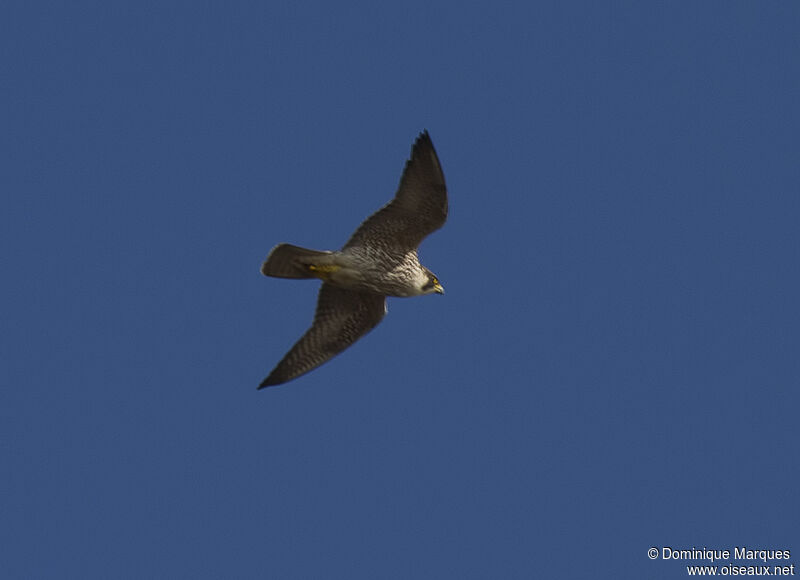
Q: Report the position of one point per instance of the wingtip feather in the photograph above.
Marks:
(268, 382)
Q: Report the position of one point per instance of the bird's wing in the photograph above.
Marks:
(419, 207)
(342, 317)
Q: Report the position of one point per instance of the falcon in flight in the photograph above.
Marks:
(379, 260)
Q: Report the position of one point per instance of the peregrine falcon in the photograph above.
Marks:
(379, 260)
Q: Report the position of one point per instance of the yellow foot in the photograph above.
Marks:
(323, 272)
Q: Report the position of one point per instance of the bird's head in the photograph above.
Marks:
(431, 284)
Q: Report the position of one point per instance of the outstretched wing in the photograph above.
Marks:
(342, 317)
(419, 207)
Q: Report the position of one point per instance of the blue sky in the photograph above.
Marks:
(614, 366)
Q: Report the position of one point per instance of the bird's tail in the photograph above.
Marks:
(288, 261)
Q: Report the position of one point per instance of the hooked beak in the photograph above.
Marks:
(438, 288)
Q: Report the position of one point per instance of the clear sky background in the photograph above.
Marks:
(615, 363)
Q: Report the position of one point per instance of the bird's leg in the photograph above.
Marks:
(323, 272)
